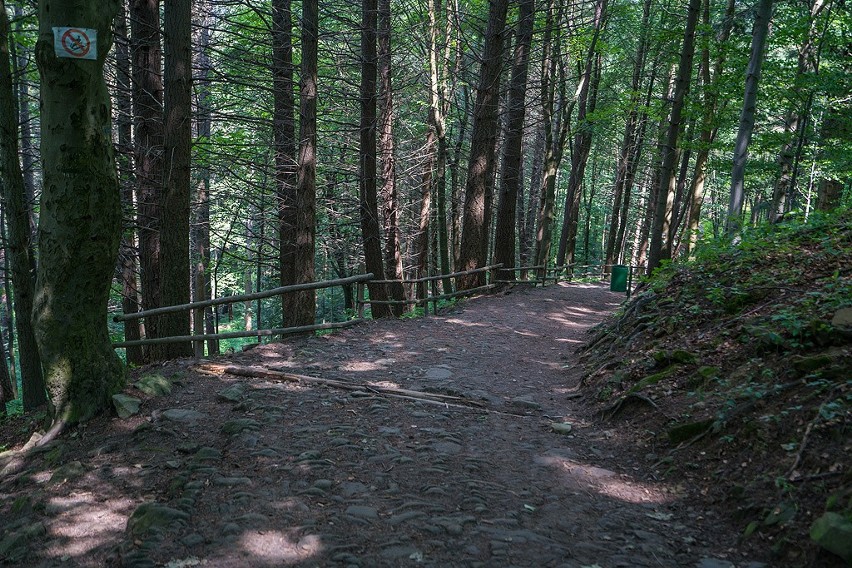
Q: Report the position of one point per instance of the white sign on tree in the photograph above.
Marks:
(75, 43)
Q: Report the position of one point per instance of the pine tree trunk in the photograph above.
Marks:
(177, 143)
(480, 172)
(510, 182)
(390, 198)
(284, 132)
(21, 256)
(148, 158)
(80, 218)
(367, 186)
(127, 261)
(200, 231)
(304, 306)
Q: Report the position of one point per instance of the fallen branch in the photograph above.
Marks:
(392, 392)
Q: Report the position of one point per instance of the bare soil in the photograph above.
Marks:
(251, 472)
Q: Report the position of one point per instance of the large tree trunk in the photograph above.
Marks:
(18, 245)
(367, 186)
(284, 132)
(660, 245)
(390, 198)
(510, 182)
(148, 158)
(758, 40)
(80, 218)
(480, 171)
(177, 144)
(304, 305)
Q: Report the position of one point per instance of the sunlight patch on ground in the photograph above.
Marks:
(383, 384)
(606, 482)
(83, 522)
(566, 340)
(358, 366)
(278, 546)
(467, 323)
(525, 333)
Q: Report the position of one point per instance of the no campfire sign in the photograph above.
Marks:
(75, 43)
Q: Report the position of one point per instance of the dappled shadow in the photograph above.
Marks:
(291, 473)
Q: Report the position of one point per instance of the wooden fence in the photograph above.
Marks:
(535, 275)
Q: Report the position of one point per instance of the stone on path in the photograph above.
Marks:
(125, 406)
(182, 415)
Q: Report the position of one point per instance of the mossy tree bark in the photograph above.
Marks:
(80, 218)
(18, 216)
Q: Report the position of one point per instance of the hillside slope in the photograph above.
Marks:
(734, 372)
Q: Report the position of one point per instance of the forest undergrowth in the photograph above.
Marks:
(734, 372)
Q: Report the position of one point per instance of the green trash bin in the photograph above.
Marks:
(618, 278)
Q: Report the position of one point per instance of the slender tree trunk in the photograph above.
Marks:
(128, 265)
(304, 307)
(556, 115)
(80, 218)
(204, 318)
(148, 158)
(19, 246)
(527, 242)
(480, 172)
(660, 248)
(510, 182)
(796, 120)
(390, 198)
(587, 99)
(367, 187)
(29, 157)
(629, 149)
(758, 40)
(709, 79)
(437, 121)
(284, 132)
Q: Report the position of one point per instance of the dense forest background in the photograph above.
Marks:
(262, 144)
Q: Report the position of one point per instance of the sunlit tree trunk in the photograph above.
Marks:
(127, 259)
(660, 245)
(200, 232)
(758, 40)
(587, 92)
(80, 218)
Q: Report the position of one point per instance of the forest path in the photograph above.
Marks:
(247, 472)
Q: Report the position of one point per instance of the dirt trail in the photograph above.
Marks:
(250, 473)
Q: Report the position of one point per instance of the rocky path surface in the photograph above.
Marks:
(241, 472)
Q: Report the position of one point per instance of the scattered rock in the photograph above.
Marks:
(182, 415)
(15, 545)
(125, 406)
(683, 432)
(562, 427)
(232, 427)
(833, 532)
(154, 518)
(842, 319)
(438, 373)
(521, 402)
(362, 512)
(69, 471)
(154, 385)
(233, 393)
